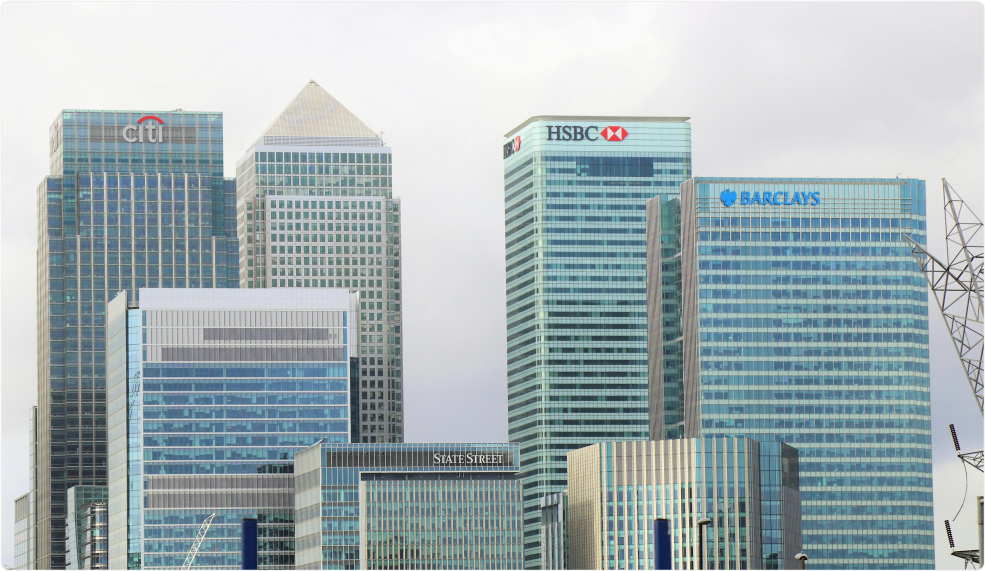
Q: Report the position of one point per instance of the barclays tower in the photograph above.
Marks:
(805, 322)
(575, 195)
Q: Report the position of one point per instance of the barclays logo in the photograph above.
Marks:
(728, 197)
(772, 198)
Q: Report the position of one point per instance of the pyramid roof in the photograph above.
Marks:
(315, 113)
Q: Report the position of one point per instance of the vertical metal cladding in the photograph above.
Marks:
(617, 489)
(575, 190)
(805, 322)
(133, 199)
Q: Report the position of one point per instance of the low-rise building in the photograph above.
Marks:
(408, 506)
(748, 491)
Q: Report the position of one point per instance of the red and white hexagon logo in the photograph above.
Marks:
(614, 133)
(516, 144)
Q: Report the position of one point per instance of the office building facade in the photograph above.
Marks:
(133, 199)
(316, 209)
(87, 528)
(617, 490)
(210, 395)
(575, 194)
(22, 533)
(554, 531)
(408, 506)
(805, 322)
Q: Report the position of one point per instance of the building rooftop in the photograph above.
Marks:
(315, 114)
(601, 118)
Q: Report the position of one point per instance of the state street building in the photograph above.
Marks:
(575, 194)
(315, 208)
(408, 506)
(805, 322)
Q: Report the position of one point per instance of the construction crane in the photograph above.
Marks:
(957, 284)
(197, 543)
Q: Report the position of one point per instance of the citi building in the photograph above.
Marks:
(575, 197)
(133, 199)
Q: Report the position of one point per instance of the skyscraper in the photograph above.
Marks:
(316, 209)
(805, 322)
(211, 392)
(133, 199)
(575, 194)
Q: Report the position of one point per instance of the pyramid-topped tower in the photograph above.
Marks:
(315, 205)
(314, 117)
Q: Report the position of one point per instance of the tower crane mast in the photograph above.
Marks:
(197, 543)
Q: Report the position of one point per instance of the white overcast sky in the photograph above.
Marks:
(772, 89)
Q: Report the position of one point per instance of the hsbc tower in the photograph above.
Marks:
(575, 198)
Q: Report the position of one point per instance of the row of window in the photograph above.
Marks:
(289, 157)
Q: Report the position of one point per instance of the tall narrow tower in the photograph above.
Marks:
(134, 199)
(315, 208)
(575, 198)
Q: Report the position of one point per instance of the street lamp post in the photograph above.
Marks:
(701, 541)
(802, 557)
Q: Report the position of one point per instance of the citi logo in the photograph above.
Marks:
(144, 130)
(511, 147)
(579, 133)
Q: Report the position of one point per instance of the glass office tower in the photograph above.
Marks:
(575, 194)
(133, 199)
(316, 209)
(408, 506)
(210, 394)
(805, 322)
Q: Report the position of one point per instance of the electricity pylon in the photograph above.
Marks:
(957, 284)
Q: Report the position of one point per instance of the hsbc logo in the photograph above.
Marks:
(511, 147)
(613, 133)
(144, 130)
(591, 133)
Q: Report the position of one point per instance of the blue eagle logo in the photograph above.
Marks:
(728, 197)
